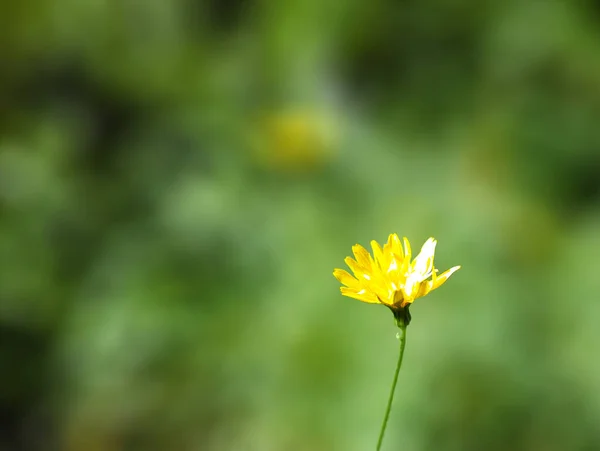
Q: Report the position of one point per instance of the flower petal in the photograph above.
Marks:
(358, 269)
(423, 263)
(345, 278)
(396, 247)
(411, 287)
(378, 254)
(439, 280)
(407, 252)
(425, 288)
(362, 256)
(360, 294)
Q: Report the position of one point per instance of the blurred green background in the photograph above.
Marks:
(179, 178)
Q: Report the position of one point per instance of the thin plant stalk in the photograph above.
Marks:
(395, 381)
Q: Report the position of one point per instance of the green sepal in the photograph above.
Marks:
(402, 316)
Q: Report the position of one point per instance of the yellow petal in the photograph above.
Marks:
(403, 269)
(407, 252)
(378, 285)
(405, 302)
(360, 294)
(362, 256)
(396, 247)
(378, 254)
(425, 288)
(423, 263)
(345, 278)
(387, 247)
(358, 269)
(439, 281)
(411, 287)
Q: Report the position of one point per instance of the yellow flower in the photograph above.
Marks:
(390, 278)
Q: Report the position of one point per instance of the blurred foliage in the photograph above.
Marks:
(179, 178)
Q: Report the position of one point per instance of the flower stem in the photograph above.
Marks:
(391, 398)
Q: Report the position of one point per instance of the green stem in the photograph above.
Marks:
(391, 398)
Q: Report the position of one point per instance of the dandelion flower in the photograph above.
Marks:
(389, 277)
